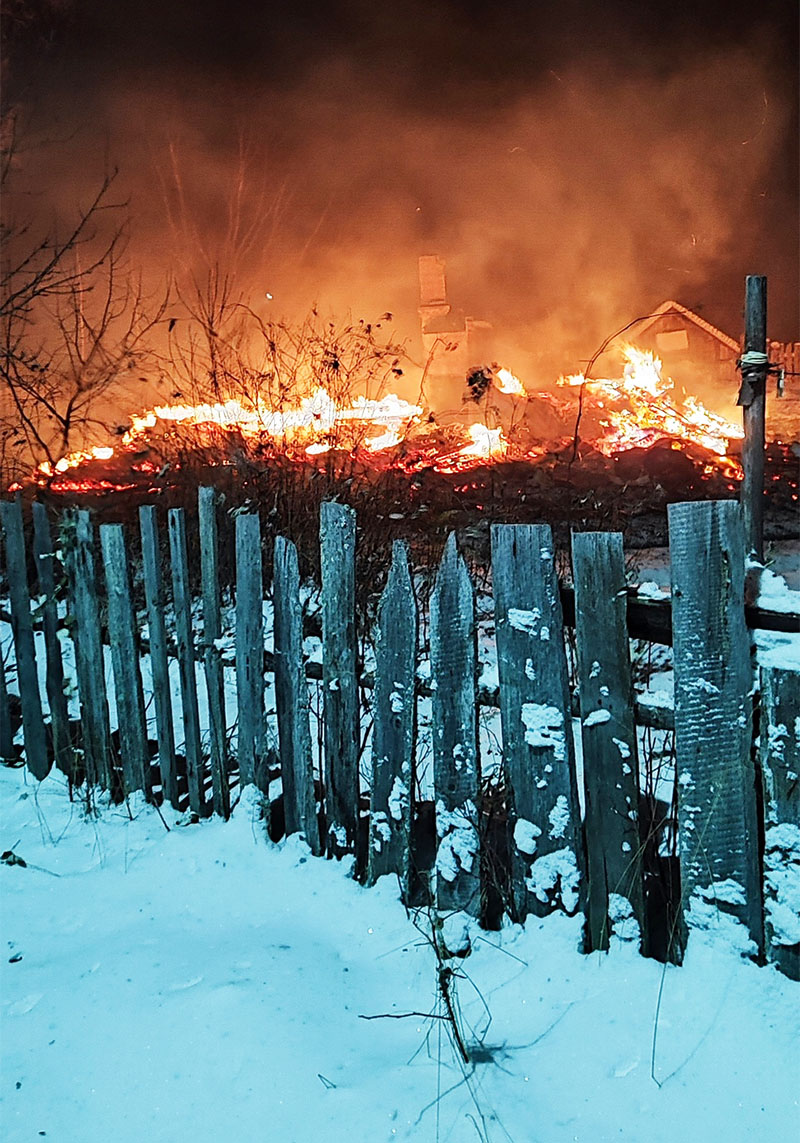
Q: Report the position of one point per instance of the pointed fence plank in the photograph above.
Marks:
(123, 637)
(292, 700)
(182, 600)
(212, 655)
(780, 766)
(250, 650)
(545, 842)
(78, 546)
(717, 817)
(394, 708)
(159, 663)
(455, 734)
(33, 728)
(57, 700)
(340, 688)
(608, 732)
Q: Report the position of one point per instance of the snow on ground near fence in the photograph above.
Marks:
(203, 984)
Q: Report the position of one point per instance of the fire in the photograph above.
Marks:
(642, 408)
(633, 411)
(506, 382)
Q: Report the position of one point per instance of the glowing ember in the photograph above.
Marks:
(506, 382)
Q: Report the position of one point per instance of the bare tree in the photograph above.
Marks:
(74, 321)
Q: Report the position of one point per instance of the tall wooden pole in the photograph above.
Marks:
(752, 397)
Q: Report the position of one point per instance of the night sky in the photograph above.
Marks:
(576, 164)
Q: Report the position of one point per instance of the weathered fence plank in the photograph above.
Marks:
(212, 655)
(614, 856)
(394, 708)
(340, 689)
(33, 728)
(291, 698)
(545, 841)
(780, 765)
(250, 650)
(56, 699)
(159, 663)
(717, 817)
(182, 600)
(455, 734)
(78, 546)
(123, 637)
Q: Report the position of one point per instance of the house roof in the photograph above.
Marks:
(676, 307)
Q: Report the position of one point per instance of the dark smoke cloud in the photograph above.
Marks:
(574, 164)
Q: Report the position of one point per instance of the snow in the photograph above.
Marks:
(525, 835)
(597, 718)
(544, 726)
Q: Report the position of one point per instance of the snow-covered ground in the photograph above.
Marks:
(203, 984)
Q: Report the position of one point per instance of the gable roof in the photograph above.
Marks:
(676, 307)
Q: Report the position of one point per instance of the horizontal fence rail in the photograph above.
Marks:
(334, 743)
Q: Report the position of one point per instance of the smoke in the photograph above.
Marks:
(570, 184)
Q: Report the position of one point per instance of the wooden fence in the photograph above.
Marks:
(520, 838)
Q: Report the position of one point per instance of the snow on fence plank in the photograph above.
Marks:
(78, 545)
(340, 688)
(455, 734)
(780, 765)
(545, 841)
(394, 707)
(159, 663)
(182, 601)
(33, 728)
(212, 655)
(250, 650)
(608, 733)
(291, 699)
(44, 556)
(123, 637)
(718, 832)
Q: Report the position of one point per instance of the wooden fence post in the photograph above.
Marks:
(718, 830)
(545, 839)
(57, 700)
(182, 600)
(159, 663)
(78, 544)
(614, 856)
(33, 729)
(291, 698)
(250, 652)
(753, 398)
(340, 687)
(212, 655)
(394, 707)
(123, 639)
(780, 764)
(455, 734)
